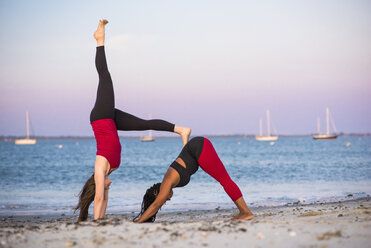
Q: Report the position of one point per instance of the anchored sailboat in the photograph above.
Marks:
(327, 135)
(27, 140)
(149, 137)
(267, 137)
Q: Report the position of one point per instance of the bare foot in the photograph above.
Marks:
(184, 132)
(99, 34)
(243, 216)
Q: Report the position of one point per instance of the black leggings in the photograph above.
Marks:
(104, 107)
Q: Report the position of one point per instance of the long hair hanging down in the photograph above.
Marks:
(148, 198)
(86, 197)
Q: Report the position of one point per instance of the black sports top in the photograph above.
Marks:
(190, 155)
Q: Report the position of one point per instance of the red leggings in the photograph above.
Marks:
(210, 162)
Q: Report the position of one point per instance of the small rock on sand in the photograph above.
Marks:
(328, 235)
(70, 244)
(260, 236)
(310, 213)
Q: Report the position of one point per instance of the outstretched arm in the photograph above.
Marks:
(99, 177)
(104, 205)
(171, 178)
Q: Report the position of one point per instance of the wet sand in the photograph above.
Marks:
(341, 224)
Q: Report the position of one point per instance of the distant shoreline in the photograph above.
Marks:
(243, 136)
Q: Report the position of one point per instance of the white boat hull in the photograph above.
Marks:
(324, 136)
(266, 138)
(147, 139)
(25, 141)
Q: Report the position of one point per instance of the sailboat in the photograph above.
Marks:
(27, 140)
(327, 135)
(149, 137)
(267, 137)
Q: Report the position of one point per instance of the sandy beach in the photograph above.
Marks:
(341, 224)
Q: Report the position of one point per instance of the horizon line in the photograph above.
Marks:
(8, 138)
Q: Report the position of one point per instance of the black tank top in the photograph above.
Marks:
(189, 154)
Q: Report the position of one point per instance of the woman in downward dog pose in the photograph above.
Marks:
(105, 121)
(199, 152)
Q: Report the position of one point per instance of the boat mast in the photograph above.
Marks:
(27, 123)
(268, 124)
(318, 125)
(327, 122)
(150, 131)
(260, 127)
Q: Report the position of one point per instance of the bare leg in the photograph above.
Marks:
(245, 213)
(184, 132)
(99, 34)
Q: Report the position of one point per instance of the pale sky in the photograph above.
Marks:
(214, 66)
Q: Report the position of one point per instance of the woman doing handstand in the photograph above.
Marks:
(105, 121)
(199, 152)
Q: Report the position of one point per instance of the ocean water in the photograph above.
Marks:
(46, 178)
